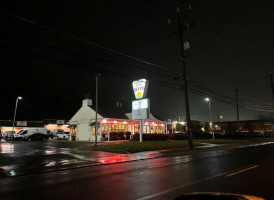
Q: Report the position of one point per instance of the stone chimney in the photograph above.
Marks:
(87, 102)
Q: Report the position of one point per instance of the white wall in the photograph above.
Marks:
(84, 132)
(84, 114)
(83, 118)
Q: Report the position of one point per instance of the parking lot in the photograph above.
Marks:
(20, 157)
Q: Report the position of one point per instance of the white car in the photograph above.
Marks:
(63, 135)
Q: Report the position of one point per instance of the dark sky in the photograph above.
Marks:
(53, 62)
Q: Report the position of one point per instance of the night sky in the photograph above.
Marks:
(50, 52)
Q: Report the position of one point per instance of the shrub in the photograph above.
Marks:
(150, 137)
(127, 135)
(112, 136)
(202, 135)
(120, 136)
(135, 137)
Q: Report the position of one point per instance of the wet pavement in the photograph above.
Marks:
(247, 170)
(19, 158)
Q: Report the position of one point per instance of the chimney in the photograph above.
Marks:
(87, 102)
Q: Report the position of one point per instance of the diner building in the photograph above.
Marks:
(82, 125)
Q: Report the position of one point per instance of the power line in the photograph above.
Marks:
(218, 96)
(80, 39)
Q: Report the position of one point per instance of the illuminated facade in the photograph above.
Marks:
(82, 124)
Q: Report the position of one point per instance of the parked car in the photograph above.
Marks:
(63, 135)
(50, 134)
(36, 137)
(8, 135)
(27, 132)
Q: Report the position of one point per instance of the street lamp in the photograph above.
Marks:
(221, 117)
(18, 98)
(211, 124)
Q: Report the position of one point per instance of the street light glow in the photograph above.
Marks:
(20, 98)
(211, 122)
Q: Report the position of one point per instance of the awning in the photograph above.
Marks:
(72, 126)
(94, 123)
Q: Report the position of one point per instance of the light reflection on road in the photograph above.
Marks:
(18, 158)
(128, 157)
(6, 147)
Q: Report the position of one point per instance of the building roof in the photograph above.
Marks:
(151, 117)
(110, 112)
(9, 123)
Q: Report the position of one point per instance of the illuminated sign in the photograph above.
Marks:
(60, 122)
(140, 109)
(140, 88)
(21, 123)
(140, 104)
(140, 114)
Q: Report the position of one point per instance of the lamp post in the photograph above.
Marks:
(211, 123)
(96, 108)
(221, 117)
(18, 98)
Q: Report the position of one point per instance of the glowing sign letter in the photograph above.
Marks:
(140, 88)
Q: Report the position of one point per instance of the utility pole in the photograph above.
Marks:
(184, 45)
(218, 117)
(271, 83)
(237, 107)
(96, 108)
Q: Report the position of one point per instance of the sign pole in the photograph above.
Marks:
(96, 115)
(141, 130)
(140, 107)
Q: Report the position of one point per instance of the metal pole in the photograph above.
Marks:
(96, 131)
(237, 107)
(14, 114)
(272, 84)
(211, 123)
(183, 56)
(218, 116)
(141, 130)
(108, 132)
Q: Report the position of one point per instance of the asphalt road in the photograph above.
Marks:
(19, 158)
(244, 170)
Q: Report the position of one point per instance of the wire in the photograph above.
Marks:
(80, 39)
(195, 86)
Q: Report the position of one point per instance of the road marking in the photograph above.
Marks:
(243, 170)
(195, 182)
(181, 186)
(163, 165)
